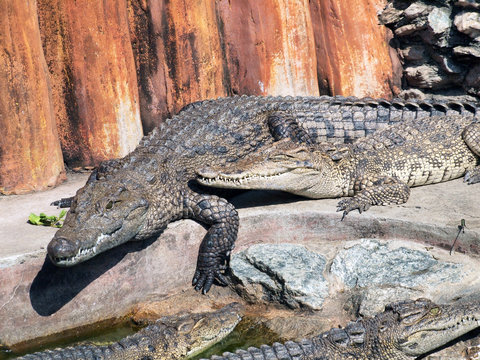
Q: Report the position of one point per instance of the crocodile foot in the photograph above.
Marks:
(210, 268)
(472, 176)
(353, 203)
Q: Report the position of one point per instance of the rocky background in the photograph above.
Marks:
(438, 43)
(92, 77)
(82, 81)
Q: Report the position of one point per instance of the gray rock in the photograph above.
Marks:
(467, 51)
(408, 29)
(439, 24)
(439, 20)
(390, 15)
(426, 77)
(468, 22)
(373, 263)
(416, 10)
(285, 273)
(413, 53)
(468, 4)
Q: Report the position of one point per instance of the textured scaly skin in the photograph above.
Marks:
(136, 197)
(376, 170)
(405, 330)
(169, 338)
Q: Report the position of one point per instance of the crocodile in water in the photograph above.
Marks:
(169, 338)
(135, 197)
(405, 330)
(376, 170)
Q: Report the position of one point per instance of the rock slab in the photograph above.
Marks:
(284, 273)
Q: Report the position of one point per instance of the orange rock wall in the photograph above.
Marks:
(30, 156)
(88, 49)
(352, 49)
(189, 50)
(268, 46)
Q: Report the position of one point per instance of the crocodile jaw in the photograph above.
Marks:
(449, 326)
(298, 181)
(64, 252)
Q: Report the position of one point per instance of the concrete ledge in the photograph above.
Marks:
(38, 299)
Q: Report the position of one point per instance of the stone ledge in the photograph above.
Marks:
(38, 299)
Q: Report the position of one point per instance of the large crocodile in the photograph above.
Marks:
(137, 196)
(169, 338)
(376, 170)
(405, 330)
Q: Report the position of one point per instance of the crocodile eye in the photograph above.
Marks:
(435, 311)
(109, 205)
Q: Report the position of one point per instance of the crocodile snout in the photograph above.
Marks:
(60, 248)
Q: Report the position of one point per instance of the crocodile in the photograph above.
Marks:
(404, 330)
(136, 197)
(170, 337)
(378, 169)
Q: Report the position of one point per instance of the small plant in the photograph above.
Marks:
(45, 220)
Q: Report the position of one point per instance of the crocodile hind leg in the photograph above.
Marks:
(383, 191)
(215, 249)
(471, 136)
(284, 126)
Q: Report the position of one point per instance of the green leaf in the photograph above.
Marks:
(47, 220)
(34, 219)
(62, 214)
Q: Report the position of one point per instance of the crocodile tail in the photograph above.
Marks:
(81, 352)
(289, 350)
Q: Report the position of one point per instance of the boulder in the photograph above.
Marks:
(284, 273)
(468, 22)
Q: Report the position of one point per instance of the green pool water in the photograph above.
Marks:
(247, 333)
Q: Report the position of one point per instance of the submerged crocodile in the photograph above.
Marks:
(405, 330)
(169, 338)
(376, 170)
(136, 197)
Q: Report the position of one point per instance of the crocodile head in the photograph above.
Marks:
(281, 166)
(423, 326)
(102, 215)
(405, 330)
(186, 335)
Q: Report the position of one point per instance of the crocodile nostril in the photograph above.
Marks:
(60, 248)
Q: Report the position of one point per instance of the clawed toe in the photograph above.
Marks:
(347, 205)
(472, 176)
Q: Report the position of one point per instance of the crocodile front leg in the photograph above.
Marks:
(382, 191)
(471, 136)
(215, 249)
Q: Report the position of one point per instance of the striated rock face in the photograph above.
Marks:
(30, 156)
(438, 44)
(190, 50)
(352, 50)
(88, 51)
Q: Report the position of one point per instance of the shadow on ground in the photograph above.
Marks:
(54, 287)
